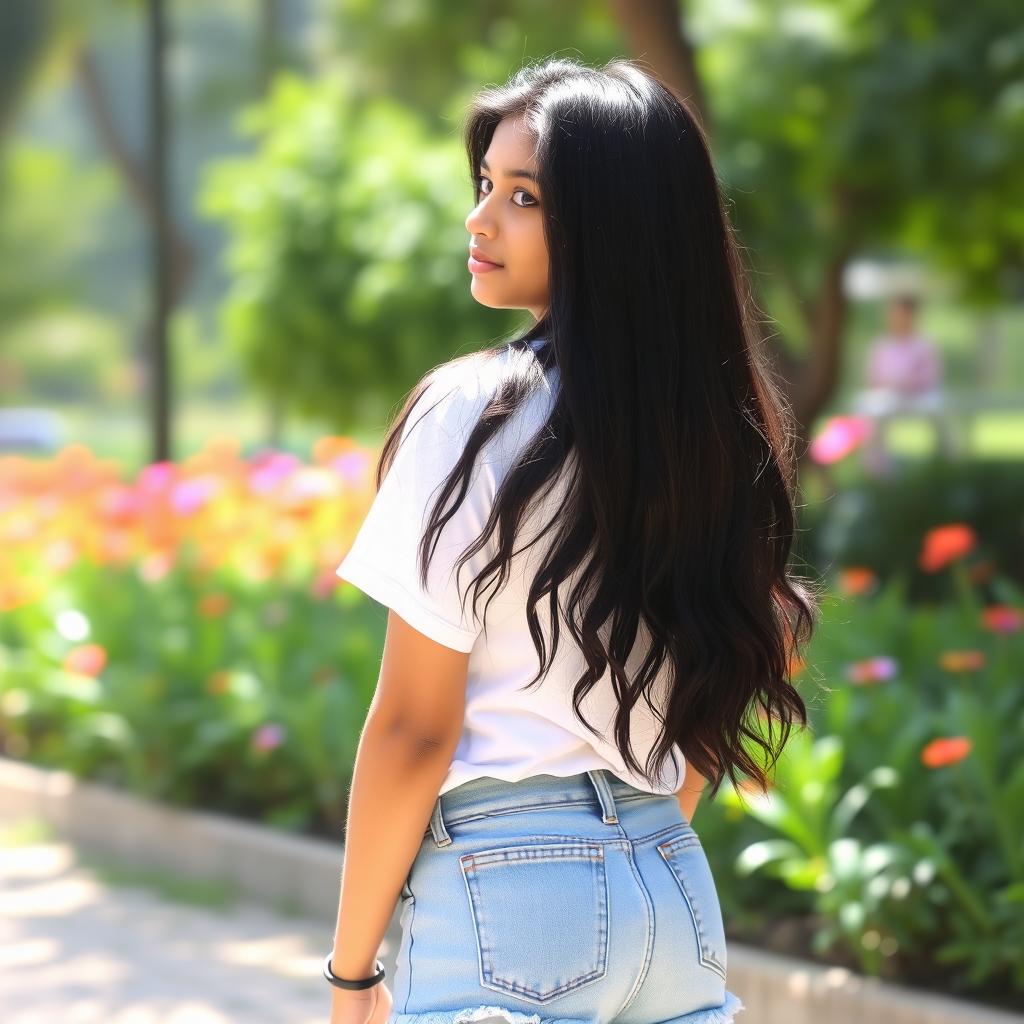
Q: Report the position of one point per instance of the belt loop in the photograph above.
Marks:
(609, 815)
(441, 836)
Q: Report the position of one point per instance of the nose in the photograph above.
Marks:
(477, 223)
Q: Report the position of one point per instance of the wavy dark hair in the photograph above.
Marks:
(676, 436)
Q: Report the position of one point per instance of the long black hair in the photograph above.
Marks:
(674, 433)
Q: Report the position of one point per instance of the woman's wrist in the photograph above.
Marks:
(353, 968)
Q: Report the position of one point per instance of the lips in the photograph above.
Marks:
(482, 257)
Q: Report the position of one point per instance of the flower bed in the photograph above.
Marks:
(183, 636)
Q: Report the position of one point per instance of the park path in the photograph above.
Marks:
(75, 949)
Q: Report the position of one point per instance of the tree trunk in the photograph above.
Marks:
(177, 251)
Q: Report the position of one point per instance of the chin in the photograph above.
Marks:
(491, 303)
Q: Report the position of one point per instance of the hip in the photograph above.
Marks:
(576, 898)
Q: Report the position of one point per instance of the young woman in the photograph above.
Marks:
(582, 536)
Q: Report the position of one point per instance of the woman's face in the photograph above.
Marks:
(508, 227)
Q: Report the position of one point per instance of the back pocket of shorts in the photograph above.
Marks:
(541, 917)
(689, 865)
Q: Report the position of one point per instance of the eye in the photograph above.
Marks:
(533, 202)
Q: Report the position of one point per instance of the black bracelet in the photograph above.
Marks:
(359, 983)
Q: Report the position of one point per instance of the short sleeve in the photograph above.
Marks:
(383, 560)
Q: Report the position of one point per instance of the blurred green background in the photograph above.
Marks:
(229, 248)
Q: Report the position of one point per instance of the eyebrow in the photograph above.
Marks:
(516, 172)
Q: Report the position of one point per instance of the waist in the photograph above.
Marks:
(487, 795)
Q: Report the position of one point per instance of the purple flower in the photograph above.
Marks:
(268, 736)
(351, 466)
(191, 495)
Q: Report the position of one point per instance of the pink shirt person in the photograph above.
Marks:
(907, 363)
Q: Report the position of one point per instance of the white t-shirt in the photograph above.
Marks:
(508, 733)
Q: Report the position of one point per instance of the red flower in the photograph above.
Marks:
(945, 544)
(945, 750)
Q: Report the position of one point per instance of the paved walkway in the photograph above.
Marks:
(75, 949)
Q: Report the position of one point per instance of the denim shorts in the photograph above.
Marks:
(560, 900)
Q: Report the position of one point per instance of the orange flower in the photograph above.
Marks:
(1002, 618)
(86, 660)
(218, 682)
(945, 544)
(330, 447)
(962, 661)
(16, 592)
(212, 606)
(856, 580)
(945, 750)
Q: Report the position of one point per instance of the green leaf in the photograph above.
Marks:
(767, 851)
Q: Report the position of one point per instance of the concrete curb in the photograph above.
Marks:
(295, 872)
(304, 873)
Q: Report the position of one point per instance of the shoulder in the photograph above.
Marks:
(455, 393)
(451, 397)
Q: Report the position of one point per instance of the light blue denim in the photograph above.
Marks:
(578, 900)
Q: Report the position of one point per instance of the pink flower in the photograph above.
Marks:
(191, 495)
(155, 566)
(324, 584)
(1002, 618)
(840, 436)
(120, 504)
(352, 466)
(872, 670)
(86, 660)
(270, 468)
(157, 476)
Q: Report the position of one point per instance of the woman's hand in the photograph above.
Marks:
(361, 1006)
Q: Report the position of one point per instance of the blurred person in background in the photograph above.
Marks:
(903, 375)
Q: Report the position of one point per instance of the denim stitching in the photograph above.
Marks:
(593, 852)
(449, 819)
(612, 843)
(647, 839)
(408, 987)
(649, 947)
(489, 814)
(708, 956)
